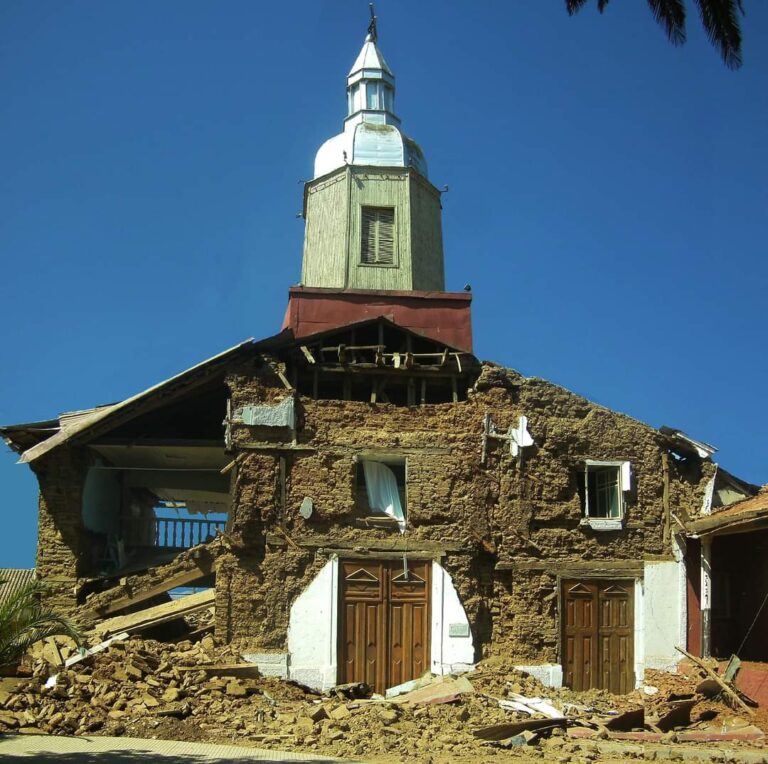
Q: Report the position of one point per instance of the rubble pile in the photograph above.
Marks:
(204, 692)
(498, 677)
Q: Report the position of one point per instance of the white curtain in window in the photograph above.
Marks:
(383, 496)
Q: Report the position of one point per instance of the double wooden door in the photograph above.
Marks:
(383, 621)
(598, 635)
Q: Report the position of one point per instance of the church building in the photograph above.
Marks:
(359, 497)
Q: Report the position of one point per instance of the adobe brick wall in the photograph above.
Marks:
(529, 511)
(62, 541)
(474, 515)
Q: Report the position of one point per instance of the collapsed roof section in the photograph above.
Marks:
(685, 445)
(87, 425)
(373, 359)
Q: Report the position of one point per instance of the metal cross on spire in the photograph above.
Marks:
(372, 32)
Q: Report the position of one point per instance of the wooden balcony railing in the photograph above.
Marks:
(169, 532)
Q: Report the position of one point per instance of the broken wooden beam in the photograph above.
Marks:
(510, 729)
(729, 691)
(203, 567)
(153, 616)
(82, 655)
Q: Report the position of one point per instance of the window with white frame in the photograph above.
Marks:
(381, 489)
(603, 491)
(353, 98)
(379, 96)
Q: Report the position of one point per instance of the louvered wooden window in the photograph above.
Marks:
(377, 240)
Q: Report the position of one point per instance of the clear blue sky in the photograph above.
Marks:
(608, 198)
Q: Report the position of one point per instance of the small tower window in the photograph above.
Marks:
(374, 94)
(353, 98)
(389, 98)
(377, 236)
(379, 96)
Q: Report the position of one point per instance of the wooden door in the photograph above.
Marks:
(598, 635)
(383, 622)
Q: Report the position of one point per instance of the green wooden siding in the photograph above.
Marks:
(325, 232)
(332, 244)
(427, 241)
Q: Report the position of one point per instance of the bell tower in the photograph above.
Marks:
(373, 219)
(373, 241)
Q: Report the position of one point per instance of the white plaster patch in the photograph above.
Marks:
(451, 651)
(662, 615)
(312, 630)
(313, 625)
(682, 590)
(639, 635)
(549, 674)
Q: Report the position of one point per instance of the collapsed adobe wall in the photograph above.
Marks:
(63, 547)
(505, 510)
(690, 481)
(471, 515)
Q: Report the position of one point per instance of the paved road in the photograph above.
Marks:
(55, 749)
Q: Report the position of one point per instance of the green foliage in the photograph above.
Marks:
(719, 17)
(24, 621)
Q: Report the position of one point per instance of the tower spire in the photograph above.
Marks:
(372, 31)
(373, 217)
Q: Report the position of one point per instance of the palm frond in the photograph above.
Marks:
(573, 6)
(24, 621)
(721, 22)
(670, 14)
(720, 19)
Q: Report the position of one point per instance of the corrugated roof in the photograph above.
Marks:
(13, 579)
(742, 512)
(753, 503)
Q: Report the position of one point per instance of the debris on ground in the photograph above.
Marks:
(202, 691)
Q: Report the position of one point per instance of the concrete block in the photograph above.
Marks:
(269, 664)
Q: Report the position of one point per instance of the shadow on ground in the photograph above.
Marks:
(47, 754)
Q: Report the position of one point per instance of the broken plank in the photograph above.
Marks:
(184, 578)
(439, 690)
(158, 614)
(81, 656)
(537, 705)
(712, 675)
(734, 664)
(510, 729)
